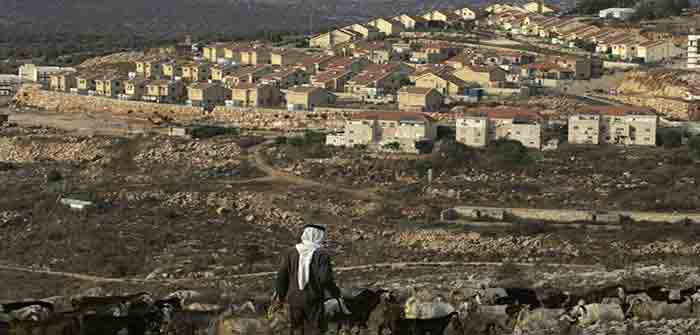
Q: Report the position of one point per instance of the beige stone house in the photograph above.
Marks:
(332, 80)
(486, 76)
(441, 16)
(207, 95)
(194, 72)
(387, 27)
(410, 22)
(378, 129)
(285, 77)
(212, 52)
(286, 57)
(134, 89)
(85, 83)
(444, 82)
(165, 91)
(219, 72)
(255, 56)
(330, 39)
(255, 95)
(377, 80)
(246, 74)
(420, 99)
(308, 97)
(110, 85)
(367, 32)
(173, 69)
(62, 81)
(151, 67)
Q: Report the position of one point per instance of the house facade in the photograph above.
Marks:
(207, 95)
(420, 99)
(255, 95)
(379, 129)
(614, 125)
(308, 97)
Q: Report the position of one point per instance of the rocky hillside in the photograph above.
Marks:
(660, 83)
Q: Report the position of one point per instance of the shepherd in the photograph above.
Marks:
(305, 281)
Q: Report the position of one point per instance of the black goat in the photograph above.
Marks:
(360, 307)
(435, 326)
(93, 324)
(519, 296)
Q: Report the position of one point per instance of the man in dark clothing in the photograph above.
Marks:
(304, 278)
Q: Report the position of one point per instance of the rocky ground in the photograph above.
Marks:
(186, 213)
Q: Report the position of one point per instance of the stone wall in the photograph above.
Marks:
(281, 119)
(673, 108)
(556, 215)
(67, 103)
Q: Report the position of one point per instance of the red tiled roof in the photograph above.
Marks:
(392, 116)
(620, 110)
(507, 113)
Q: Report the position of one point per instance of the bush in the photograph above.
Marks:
(53, 176)
(393, 146)
(670, 139)
(509, 153)
(451, 154)
(280, 140)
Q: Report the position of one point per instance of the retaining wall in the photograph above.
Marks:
(66, 103)
(565, 215)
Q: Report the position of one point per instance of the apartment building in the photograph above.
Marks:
(614, 125)
(377, 129)
(694, 51)
(486, 125)
(584, 129)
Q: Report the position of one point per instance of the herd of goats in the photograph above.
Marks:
(479, 310)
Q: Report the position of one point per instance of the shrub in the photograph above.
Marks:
(393, 146)
(670, 139)
(451, 154)
(508, 152)
(53, 176)
(280, 140)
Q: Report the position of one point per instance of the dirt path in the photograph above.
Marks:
(261, 163)
(402, 265)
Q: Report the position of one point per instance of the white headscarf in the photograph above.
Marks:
(311, 241)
